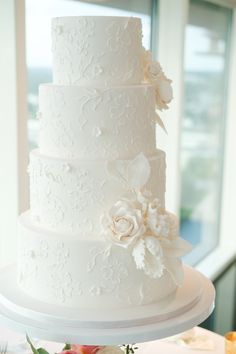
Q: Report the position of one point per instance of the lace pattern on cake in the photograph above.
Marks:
(70, 195)
(51, 266)
(87, 123)
(59, 193)
(76, 61)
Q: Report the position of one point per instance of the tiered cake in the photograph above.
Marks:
(97, 234)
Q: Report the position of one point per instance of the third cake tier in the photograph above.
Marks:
(71, 195)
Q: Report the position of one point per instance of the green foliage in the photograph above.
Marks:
(129, 348)
(67, 346)
(42, 351)
(34, 350)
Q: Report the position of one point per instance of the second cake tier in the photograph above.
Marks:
(83, 122)
(71, 195)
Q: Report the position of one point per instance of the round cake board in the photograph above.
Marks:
(190, 305)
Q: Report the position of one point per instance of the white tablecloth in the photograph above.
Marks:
(165, 346)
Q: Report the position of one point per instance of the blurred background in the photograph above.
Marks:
(195, 40)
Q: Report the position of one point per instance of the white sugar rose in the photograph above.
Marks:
(164, 92)
(157, 219)
(142, 223)
(124, 223)
(146, 59)
(159, 225)
(173, 225)
(154, 74)
(154, 71)
(110, 350)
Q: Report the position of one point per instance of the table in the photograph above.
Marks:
(163, 346)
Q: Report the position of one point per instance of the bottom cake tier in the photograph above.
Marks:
(59, 269)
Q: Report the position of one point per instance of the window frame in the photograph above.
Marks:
(173, 41)
(13, 113)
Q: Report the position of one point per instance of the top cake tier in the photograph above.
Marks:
(97, 50)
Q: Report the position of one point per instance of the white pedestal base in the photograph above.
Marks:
(189, 306)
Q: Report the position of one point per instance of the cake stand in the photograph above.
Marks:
(190, 305)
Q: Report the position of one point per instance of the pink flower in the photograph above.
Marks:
(84, 349)
(69, 352)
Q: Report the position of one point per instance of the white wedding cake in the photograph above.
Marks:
(97, 235)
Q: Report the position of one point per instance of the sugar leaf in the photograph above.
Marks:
(138, 172)
(139, 254)
(159, 121)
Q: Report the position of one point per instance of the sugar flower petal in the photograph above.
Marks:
(138, 172)
(147, 255)
(159, 121)
(139, 254)
(134, 173)
(176, 247)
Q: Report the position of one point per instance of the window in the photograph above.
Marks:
(204, 118)
(38, 38)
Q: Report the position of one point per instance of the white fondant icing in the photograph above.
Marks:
(71, 195)
(82, 122)
(95, 120)
(83, 273)
(97, 50)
